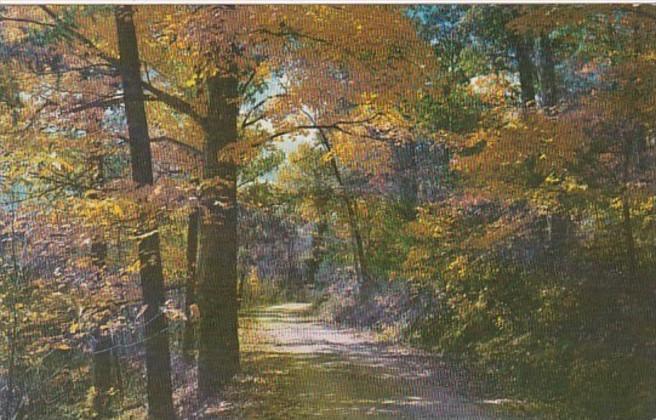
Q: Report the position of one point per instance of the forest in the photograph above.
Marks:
(197, 203)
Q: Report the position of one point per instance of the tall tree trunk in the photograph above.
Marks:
(10, 404)
(158, 362)
(406, 167)
(629, 240)
(359, 256)
(317, 253)
(524, 48)
(547, 72)
(102, 371)
(627, 225)
(189, 336)
(218, 353)
(116, 368)
(241, 289)
(102, 362)
(293, 280)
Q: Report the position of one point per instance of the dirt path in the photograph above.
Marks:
(323, 372)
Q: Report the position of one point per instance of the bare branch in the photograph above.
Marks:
(255, 107)
(334, 126)
(78, 36)
(245, 85)
(98, 103)
(24, 20)
(189, 148)
(174, 102)
(166, 139)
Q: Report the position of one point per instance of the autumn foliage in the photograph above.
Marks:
(475, 180)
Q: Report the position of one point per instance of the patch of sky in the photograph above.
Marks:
(287, 144)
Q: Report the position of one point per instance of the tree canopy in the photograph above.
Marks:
(477, 180)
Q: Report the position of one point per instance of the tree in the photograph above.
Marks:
(427, 196)
(525, 64)
(218, 356)
(102, 349)
(547, 72)
(189, 338)
(158, 362)
(309, 187)
(490, 25)
(236, 39)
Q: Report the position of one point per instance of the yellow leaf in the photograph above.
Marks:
(327, 157)
(118, 211)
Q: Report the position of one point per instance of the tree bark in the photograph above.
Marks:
(102, 349)
(116, 367)
(102, 371)
(547, 72)
(12, 374)
(317, 253)
(218, 353)
(627, 225)
(158, 363)
(102, 362)
(526, 69)
(241, 289)
(406, 168)
(189, 336)
(360, 258)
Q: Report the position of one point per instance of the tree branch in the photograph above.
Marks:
(189, 148)
(244, 87)
(255, 107)
(24, 20)
(334, 126)
(166, 139)
(81, 38)
(174, 102)
(98, 103)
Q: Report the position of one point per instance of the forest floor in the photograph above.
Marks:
(295, 367)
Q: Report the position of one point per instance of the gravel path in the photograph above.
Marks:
(321, 371)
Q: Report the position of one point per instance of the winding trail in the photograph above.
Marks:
(321, 371)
